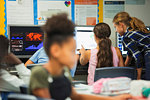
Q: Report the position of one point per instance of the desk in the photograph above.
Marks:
(13, 72)
(83, 89)
(86, 89)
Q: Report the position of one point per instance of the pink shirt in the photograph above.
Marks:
(93, 63)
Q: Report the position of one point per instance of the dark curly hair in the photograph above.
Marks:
(57, 29)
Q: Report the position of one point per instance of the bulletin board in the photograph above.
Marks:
(88, 12)
(33, 12)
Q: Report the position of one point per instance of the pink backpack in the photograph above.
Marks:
(110, 85)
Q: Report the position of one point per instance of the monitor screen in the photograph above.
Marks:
(148, 27)
(85, 37)
(120, 45)
(25, 40)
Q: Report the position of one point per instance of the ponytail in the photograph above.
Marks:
(104, 55)
(133, 23)
(137, 24)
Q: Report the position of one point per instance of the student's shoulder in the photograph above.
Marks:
(39, 70)
(117, 49)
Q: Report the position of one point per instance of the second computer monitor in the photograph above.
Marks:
(85, 37)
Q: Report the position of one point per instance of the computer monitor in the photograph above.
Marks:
(148, 27)
(85, 37)
(25, 40)
(120, 45)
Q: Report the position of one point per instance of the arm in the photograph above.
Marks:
(22, 71)
(128, 60)
(85, 56)
(43, 93)
(29, 62)
(121, 62)
(139, 72)
(76, 96)
(11, 82)
(34, 58)
(133, 47)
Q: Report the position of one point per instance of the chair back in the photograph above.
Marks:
(4, 95)
(30, 66)
(24, 97)
(24, 89)
(112, 72)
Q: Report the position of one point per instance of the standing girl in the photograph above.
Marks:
(136, 39)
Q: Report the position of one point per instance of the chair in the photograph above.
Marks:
(30, 66)
(112, 72)
(4, 94)
(78, 82)
(24, 89)
(24, 97)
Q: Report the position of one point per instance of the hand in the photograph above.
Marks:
(139, 71)
(82, 50)
(11, 59)
(122, 97)
(77, 57)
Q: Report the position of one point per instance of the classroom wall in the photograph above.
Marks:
(140, 11)
(2, 19)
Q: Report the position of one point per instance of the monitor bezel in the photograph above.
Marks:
(19, 25)
(84, 26)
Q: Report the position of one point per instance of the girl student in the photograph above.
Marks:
(104, 55)
(10, 82)
(136, 39)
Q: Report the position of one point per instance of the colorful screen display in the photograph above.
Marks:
(25, 40)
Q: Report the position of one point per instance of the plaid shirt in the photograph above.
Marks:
(137, 43)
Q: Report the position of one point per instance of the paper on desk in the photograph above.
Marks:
(83, 89)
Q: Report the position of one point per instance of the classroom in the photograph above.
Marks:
(74, 50)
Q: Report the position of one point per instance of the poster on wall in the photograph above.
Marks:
(86, 12)
(47, 8)
(135, 2)
(111, 8)
(20, 12)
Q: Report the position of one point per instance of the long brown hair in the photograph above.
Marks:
(4, 44)
(134, 23)
(104, 56)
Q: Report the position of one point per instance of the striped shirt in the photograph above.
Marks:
(137, 43)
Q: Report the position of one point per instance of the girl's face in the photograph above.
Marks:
(68, 56)
(65, 54)
(120, 28)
